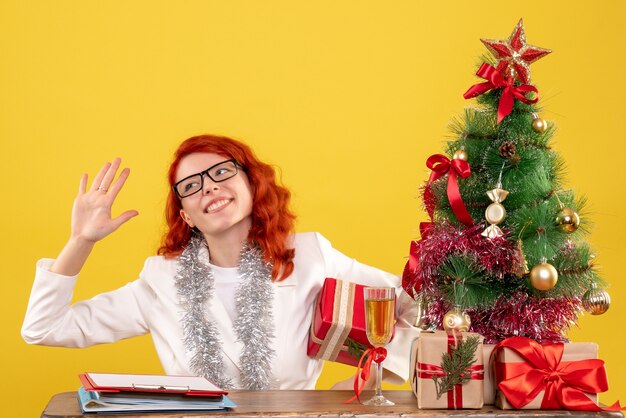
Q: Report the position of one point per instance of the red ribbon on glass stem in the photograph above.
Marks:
(441, 165)
(496, 79)
(564, 382)
(375, 354)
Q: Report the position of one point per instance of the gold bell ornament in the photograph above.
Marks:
(543, 276)
(539, 125)
(596, 301)
(456, 320)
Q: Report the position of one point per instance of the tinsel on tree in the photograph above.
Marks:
(505, 249)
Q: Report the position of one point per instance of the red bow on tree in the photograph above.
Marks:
(441, 165)
(496, 79)
(564, 382)
(411, 280)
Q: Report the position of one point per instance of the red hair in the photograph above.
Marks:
(272, 221)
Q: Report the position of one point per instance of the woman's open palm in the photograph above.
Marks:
(91, 213)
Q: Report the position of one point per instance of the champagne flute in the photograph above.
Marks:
(380, 309)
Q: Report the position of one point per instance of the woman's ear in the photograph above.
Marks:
(186, 218)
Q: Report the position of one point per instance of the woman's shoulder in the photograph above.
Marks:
(301, 239)
(158, 261)
(158, 266)
(310, 246)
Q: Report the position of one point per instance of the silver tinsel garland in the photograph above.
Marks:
(253, 323)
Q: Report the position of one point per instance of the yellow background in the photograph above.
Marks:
(347, 98)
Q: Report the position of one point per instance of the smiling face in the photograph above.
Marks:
(220, 210)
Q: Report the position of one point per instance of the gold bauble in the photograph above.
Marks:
(539, 125)
(568, 220)
(456, 320)
(596, 301)
(460, 154)
(543, 276)
(495, 213)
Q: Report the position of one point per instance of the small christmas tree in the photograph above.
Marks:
(505, 247)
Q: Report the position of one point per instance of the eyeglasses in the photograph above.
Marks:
(218, 173)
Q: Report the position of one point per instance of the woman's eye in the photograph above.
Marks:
(191, 185)
(222, 171)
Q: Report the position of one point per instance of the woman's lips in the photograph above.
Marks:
(217, 205)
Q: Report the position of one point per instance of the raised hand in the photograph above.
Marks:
(91, 213)
(91, 217)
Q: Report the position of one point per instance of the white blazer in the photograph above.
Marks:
(150, 305)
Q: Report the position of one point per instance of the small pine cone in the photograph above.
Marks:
(507, 149)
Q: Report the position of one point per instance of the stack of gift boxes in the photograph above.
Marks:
(517, 373)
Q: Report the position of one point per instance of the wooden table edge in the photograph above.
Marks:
(317, 403)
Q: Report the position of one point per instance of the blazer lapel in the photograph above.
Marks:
(282, 309)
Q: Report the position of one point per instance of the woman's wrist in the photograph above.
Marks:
(72, 257)
(80, 242)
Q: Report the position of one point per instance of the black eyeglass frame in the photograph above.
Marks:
(202, 173)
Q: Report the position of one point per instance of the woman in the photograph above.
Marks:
(231, 294)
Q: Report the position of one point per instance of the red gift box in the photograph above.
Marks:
(530, 375)
(338, 326)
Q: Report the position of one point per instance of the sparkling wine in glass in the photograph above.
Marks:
(380, 308)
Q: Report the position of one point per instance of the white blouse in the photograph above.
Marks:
(226, 283)
(150, 305)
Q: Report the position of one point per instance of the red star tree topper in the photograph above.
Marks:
(515, 54)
